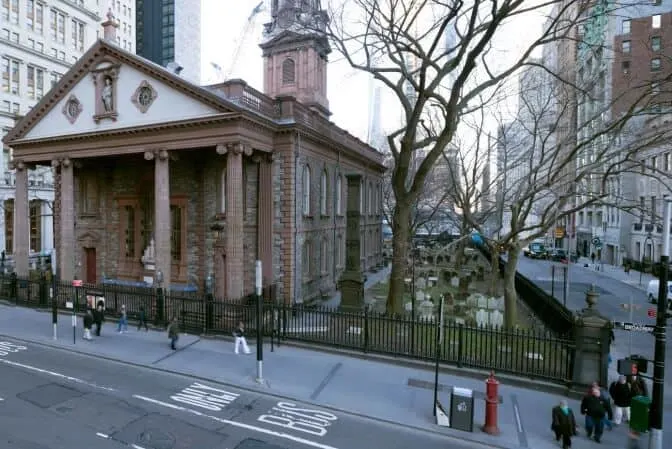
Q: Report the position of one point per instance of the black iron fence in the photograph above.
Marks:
(529, 353)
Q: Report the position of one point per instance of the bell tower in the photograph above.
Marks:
(295, 49)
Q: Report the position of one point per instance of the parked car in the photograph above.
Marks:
(535, 251)
(652, 292)
(558, 255)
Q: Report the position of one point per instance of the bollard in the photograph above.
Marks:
(491, 403)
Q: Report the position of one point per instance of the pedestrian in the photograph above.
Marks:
(605, 397)
(593, 409)
(99, 317)
(122, 326)
(637, 386)
(88, 323)
(592, 258)
(620, 393)
(239, 335)
(173, 333)
(563, 424)
(143, 319)
(634, 440)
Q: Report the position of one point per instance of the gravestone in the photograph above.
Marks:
(482, 317)
(496, 318)
(352, 279)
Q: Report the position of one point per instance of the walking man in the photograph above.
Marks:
(563, 424)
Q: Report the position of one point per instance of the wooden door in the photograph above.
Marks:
(90, 258)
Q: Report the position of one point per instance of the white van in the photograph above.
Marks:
(652, 291)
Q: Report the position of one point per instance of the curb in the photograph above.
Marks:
(267, 393)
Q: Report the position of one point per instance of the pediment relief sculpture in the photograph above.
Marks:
(72, 108)
(144, 96)
(105, 83)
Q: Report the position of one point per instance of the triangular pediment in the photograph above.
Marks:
(110, 88)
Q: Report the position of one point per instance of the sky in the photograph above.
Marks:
(223, 24)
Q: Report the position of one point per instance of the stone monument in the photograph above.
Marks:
(592, 332)
(352, 280)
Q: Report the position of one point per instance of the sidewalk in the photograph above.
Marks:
(618, 273)
(387, 392)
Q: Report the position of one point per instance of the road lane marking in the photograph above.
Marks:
(206, 397)
(294, 417)
(7, 348)
(107, 437)
(236, 424)
(55, 374)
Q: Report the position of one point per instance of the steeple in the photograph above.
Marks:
(295, 49)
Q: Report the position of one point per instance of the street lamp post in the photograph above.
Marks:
(656, 413)
(649, 238)
(160, 308)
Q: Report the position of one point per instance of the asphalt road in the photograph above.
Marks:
(54, 399)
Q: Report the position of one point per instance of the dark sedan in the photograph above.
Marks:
(558, 255)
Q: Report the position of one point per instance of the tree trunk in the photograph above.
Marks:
(400, 238)
(510, 295)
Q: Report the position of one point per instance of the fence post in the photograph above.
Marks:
(460, 334)
(13, 291)
(366, 329)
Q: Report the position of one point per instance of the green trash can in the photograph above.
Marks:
(639, 413)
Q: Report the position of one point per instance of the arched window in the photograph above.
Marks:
(305, 258)
(288, 71)
(306, 190)
(339, 198)
(323, 192)
(370, 199)
(324, 256)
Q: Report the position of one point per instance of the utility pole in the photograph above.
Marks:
(260, 332)
(656, 413)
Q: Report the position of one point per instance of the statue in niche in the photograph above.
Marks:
(106, 95)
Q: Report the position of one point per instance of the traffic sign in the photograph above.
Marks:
(635, 327)
(626, 306)
(596, 241)
(652, 313)
(77, 282)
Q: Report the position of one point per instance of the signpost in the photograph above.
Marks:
(260, 311)
(76, 283)
(439, 345)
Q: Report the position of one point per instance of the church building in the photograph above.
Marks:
(160, 180)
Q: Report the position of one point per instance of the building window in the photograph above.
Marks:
(655, 21)
(35, 225)
(176, 238)
(626, 47)
(323, 193)
(77, 35)
(35, 16)
(288, 71)
(625, 67)
(656, 43)
(369, 206)
(9, 226)
(128, 220)
(339, 195)
(9, 11)
(55, 77)
(305, 258)
(667, 162)
(306, 190)
(35, 83)
(88, 196)
(324, 257)
(625, 26)
(10, 75)
(57, 26)
(655, 64)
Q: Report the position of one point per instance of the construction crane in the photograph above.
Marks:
(247, 29)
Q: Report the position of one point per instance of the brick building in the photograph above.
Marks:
(157, 175)
(643, 51)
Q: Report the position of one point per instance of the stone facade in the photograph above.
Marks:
(197, 182)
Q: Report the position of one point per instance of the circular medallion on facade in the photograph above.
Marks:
(144, 96)
(72, 108)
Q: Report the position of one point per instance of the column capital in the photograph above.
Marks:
(235, 148)
(260, 157)
(160, 155)
(148, 155)
(61, 162)
(17, 164)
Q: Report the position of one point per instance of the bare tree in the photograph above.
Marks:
(402, 44)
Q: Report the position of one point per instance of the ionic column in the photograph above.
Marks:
(162, 226)
(21, 224)
(265, 217)
(66, 225)
(235, 268)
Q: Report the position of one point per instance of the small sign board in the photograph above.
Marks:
(69, 305)
(635, 327)
(652, 313)
(77, 282)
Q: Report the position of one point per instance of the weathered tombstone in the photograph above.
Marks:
(472, 300)
(482, 302)
(420, 283)
(455, 281)
(496, 318)
(426, 310)
(482, 317)
(419, 296)
(352, 280)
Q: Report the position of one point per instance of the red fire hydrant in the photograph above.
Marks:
(491, 403)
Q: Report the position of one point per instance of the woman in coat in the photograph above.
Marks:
(563, 424)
